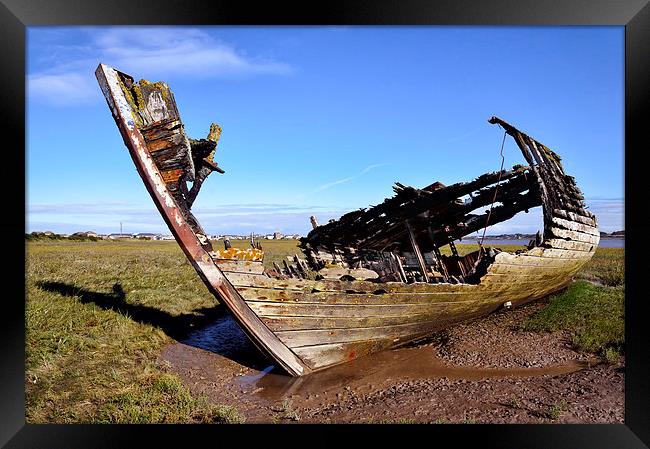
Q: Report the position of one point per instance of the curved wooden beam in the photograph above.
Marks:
(211, 275)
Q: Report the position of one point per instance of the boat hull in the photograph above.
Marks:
(330, 322)
(308, 325)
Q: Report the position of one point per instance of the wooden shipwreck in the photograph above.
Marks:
(374, 279)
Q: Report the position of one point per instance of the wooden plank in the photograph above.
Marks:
(493, 285)
(574, 217)
(416, 250)
(239, 266)
(295, 296)
(325, 355)
(530, 271)
(575, 235)
(504, 282)
(292, 323)
(252, 254)
(266, 309)
(575, 226)
(572, 245)
(558, 253)
(338, 272)
(298, 338)
(535, 263)
(307, 285)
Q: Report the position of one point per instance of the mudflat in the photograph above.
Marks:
(484, 371)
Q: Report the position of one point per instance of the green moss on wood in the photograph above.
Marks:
(133, 102)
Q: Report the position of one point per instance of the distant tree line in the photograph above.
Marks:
(54, 236)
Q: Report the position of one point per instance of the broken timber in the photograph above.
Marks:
(374, 279)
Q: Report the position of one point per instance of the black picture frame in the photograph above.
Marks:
(16, 15)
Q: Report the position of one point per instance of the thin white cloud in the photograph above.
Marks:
(62, 89)
(259, 217)
(146, 52)
(344, 180)
(238, 219)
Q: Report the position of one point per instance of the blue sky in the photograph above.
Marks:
(321, 120)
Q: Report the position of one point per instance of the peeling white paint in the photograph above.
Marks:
(117, 101)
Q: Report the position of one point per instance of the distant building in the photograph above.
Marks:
(295, 237)
(277, 235)
(147, 235)
(167, 237)
(119, 236)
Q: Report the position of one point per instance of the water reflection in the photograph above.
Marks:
(226, 338)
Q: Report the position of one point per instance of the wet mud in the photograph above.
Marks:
(483, 371)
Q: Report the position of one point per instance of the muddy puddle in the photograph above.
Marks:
(220, 362)
(381, 370)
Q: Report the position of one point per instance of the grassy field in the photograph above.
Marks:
(98, 314)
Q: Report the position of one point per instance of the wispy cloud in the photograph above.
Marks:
(226, 218)
(149, 52)
(610, 213)
(61, 89)
(343, 180)
(257, 217)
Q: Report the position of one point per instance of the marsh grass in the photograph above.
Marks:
(97, 316)
(607, 267)
(594, 315)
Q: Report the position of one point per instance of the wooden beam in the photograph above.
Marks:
(417, 252)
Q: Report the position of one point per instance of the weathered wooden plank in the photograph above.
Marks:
(518, 272)
(494, 285)
(267, 309)
(589, 221)
(572, 245)
(575, 226)
(325, 355)
(338, 272)
(575, 235)
(249, 254)
(171, 141)
(298, 338)
(416, 251)
(503, 283)
(171, 176)
(296, 296)
(306, 285)
(292, 323)
(333, 304)
(239, 266)
(534, 263)
(557, 253)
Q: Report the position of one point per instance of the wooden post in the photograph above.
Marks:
(434, 253)
(417, 252)
(394, 259)
(286, 266)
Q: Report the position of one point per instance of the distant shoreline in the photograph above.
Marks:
(529, 237)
